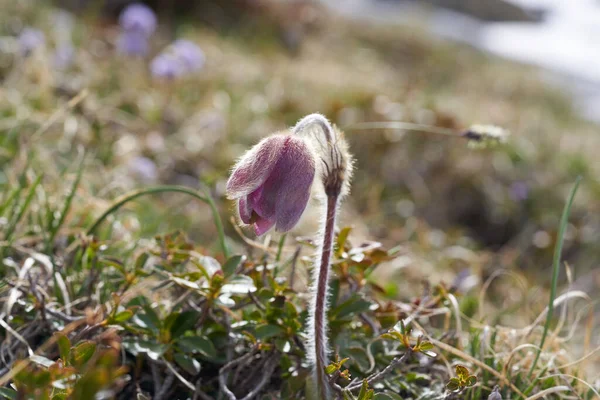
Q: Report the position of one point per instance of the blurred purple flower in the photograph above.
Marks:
(133, 43)
(519, 191)
(63, 57)
(189, 53)
(30, 39)
(144, 169)
(272, 183)
(138, 17)
(166, 66)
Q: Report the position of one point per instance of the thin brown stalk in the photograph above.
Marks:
(320, 322)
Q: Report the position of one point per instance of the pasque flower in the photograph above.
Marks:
(272, 183)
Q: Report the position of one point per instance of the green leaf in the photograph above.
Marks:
(341, 240)
(239, 284)
(564, 221)
(148, 319)
(330, 369)
(123, 316)
(64, 346)
(266, 331)
(153, 349)
(8, 393)
(140, 261)
(426, 346)
(393, 335)
(185, 283)
(182, 323)
(403, 329)
(471, 381)
(354, 305)
(359, 357)
(348, 396)
(462, 372)
(40, 360)
(198, 344)
(231, 265)
(429, 353)
(453, 385)
(43, 378)
(191, 365)
(82, 353)
(363, 390)
(382, 396)
(418, 378)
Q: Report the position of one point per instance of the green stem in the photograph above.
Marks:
(555, 270)
(121, 201)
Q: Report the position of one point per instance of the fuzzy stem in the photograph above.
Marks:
(320, 311)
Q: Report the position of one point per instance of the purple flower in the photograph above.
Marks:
(143, 168)
(138, 17)
(30, 39)
(519, 191)
(189, 53)
(272, 183)
(133, 43)
(166, 66)
(180, 58)
(63, 56)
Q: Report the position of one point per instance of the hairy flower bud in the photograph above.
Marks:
(330, 146)
(272, 183)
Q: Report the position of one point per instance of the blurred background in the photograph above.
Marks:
(176, 96)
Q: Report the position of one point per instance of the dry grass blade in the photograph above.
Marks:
(544, 393)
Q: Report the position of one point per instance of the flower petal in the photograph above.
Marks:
(253, 169)
(297, 168)
(263, 203)
(244, 210)
(262, 225)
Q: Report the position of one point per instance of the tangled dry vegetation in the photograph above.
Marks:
(122, 275)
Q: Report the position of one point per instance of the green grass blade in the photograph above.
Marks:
(280, 247)
(19, 209)
(564, 220)
(218, 224)
(9, 199)
(121, 201)
(56, 225)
